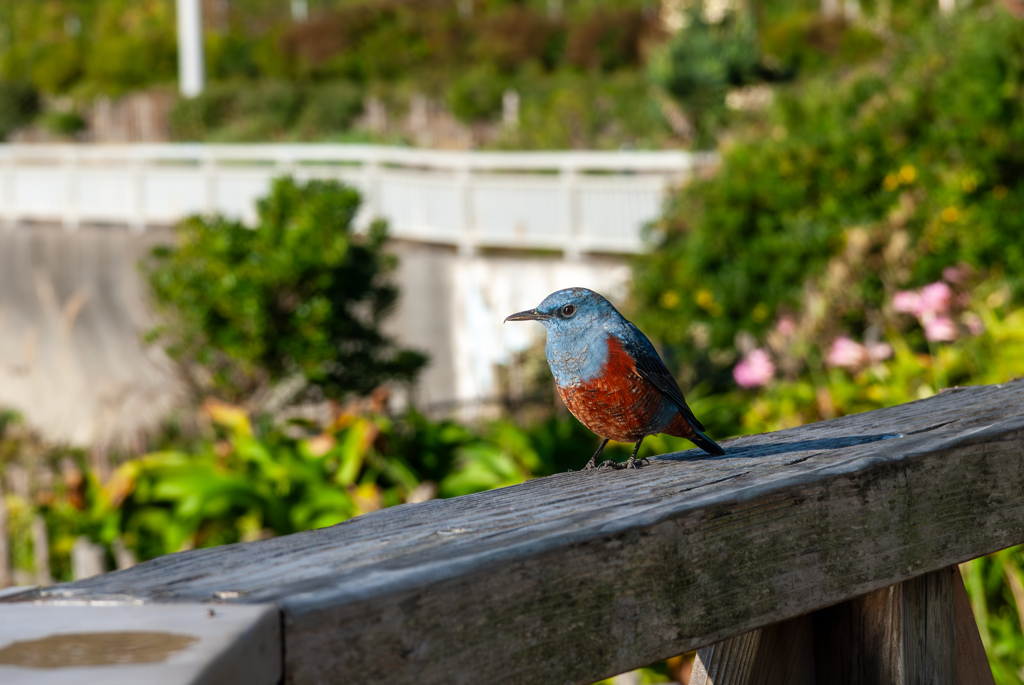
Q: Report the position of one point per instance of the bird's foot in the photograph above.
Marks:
(634, 463)
(610, 464)
(590, 465)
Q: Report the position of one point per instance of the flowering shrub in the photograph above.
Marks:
(755, 370)
(911, 163)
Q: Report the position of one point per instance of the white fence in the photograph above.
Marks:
(569, 201)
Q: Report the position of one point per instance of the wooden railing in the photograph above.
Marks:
(569, 201)
(825, 553)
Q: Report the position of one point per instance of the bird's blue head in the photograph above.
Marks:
(571, 313)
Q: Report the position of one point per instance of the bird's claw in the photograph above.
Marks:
(590, 465)
(610, 464)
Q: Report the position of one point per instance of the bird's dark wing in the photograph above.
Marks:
(650, 367)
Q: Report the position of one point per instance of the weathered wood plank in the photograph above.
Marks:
(583, 575)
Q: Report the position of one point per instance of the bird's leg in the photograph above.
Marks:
(593, 459)
(631, 462)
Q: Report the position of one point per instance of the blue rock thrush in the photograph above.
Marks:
(610, 376)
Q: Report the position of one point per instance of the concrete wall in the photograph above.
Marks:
(72, 315)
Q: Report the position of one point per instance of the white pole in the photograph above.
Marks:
(191, 68)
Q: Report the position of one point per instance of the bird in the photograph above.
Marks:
(610, 376)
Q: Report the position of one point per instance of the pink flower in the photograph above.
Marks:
(906, 301)
(974, 324)
(847, 354)
(754, 370)
(939, 329)
(786, 327)
(879, 351)
(956, 274)
(935, 299)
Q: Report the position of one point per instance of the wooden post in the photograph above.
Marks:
(919, 632)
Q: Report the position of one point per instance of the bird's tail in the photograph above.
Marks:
(705, 443)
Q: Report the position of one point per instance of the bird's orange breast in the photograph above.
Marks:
(617, 403)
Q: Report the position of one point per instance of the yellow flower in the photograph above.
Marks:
(892, 182)
(950, 214)
(760, 313)
(999, 192)
(669, 299)
(968, 184)
(705, 299)
(908, 173)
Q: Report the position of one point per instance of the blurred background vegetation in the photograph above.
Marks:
(587, 73)
(858, 247)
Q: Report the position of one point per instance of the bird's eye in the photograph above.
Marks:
(568, 310)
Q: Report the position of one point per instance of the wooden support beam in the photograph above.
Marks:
(920, 632)
(779, 654)
(580, 576)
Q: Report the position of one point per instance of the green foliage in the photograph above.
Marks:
(996, 587)
(19, 104)
(702, 61)
(923, 149)
(268, 110)
(477, 94)
(299, 293)
(805, 41)
(192, 119)
(63, 123)
(572, 110)
(89, 47)
(330, 109)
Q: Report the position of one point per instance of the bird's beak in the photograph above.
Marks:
(529, 315)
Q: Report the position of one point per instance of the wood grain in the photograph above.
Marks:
(858, 642)
(914, 633)
(779, 654)
(929, 631)
(579, 576)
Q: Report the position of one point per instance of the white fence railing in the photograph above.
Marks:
(569, 201)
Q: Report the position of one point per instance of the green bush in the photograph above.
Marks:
(299, 293)
(19, 104)
(63, 123)
(607, 39)
(330, 109)
(193, 119)
(477, 94)
(568, 109)
(701, 62)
